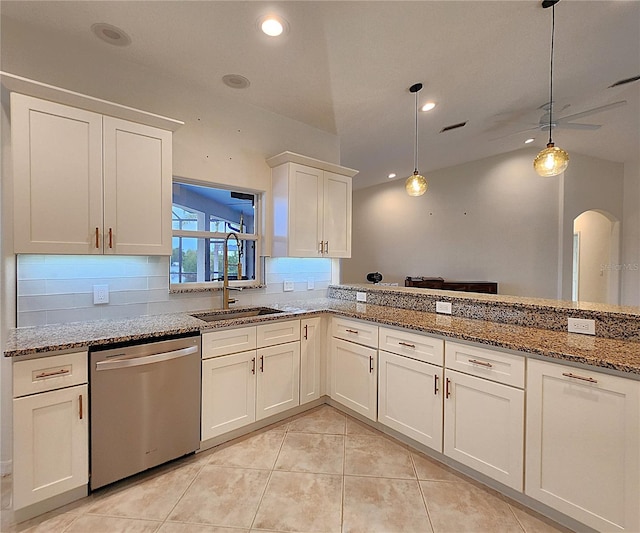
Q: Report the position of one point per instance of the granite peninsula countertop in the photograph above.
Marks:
(613, 354)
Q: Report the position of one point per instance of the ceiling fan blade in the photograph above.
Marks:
(591, 111)
(576, 126)
(515, 133)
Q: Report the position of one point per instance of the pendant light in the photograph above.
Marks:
(552, 160)
(416, 185)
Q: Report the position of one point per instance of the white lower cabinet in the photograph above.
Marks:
(354, 376)
(583, 445)
(310, 358)
(228, 393)
(410, 398)
(278, 377)
(484, 426)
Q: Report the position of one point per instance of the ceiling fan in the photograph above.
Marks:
(565, 122)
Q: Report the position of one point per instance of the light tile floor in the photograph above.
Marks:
(320, 471)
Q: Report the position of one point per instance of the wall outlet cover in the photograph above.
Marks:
(288, 285)
(443, 307)
(101, 294)
(581, 325)
(361, 296)
(310, 285)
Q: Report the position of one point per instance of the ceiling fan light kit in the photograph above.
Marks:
(552, 160)
(416, 185)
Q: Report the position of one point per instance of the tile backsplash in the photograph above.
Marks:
(54, 289)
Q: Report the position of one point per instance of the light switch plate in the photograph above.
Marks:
(361, 296)
(443, 307)
(288, 285)
(101, 294)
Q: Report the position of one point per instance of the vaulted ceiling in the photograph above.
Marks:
(345, 67)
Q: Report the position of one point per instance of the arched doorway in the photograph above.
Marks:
(596, 257)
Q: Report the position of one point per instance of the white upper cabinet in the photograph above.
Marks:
(311, 207)
(85, 183)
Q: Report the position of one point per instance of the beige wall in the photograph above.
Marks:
(489, 220)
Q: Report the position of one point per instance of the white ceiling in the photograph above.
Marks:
(345, 67)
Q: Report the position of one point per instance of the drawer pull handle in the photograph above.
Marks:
(406, 344)
(481, 363)
(371, 364)
(352, 331)
(97, 238)
(447, 384)
(435, 384)
(253, 365)
(574, 376)
(262, 363)
(61, 372)
(80, 406)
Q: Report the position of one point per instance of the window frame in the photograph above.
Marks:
(256, 237)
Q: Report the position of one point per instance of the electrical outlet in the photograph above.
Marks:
(101, 294)
(288, 285)
(443, 307)
(361, 296)
(582, 325)
(310, 285)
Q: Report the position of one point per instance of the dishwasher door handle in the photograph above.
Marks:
(126, 362)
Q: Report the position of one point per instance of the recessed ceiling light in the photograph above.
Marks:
(273, 25)
(428, 106)
(530, 140)
(111, 34)
(235, 81)
(392, 175)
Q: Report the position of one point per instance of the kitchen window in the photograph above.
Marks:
(202, 217)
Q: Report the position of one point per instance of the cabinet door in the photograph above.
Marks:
(57, 172)
(278, 379)
(137, 184)
(306, 188)
(337, 215)
(51, 444)
(310, 358)
(410, 398)
(354, 377)
(484, 427)
(583, 445)
(228, 393)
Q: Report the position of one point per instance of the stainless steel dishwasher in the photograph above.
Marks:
(145, 406)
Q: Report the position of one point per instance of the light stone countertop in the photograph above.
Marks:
(618, 355)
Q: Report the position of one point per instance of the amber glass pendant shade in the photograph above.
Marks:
(416, 185)
(551, 161)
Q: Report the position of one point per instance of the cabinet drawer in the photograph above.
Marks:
(49, 373)
(489, 364)
(355, 331)
(226, 341)
(414, 345)
(278, 333)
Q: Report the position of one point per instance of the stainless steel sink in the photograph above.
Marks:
(214, 316)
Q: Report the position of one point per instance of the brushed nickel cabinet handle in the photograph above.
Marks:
(326, 247)
(253, 365)
(583, 378)
(97, 238)
(110, 238)
(321, 250)
(435, 384)
(61, 372)
(80, 406)
(352, 331)
(447, 384)
(262, 363)
(406, 344)
(481, 363)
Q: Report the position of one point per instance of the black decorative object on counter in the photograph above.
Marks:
(374, 277)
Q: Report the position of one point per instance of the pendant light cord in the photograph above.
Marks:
(553, 31)
(415, 149)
